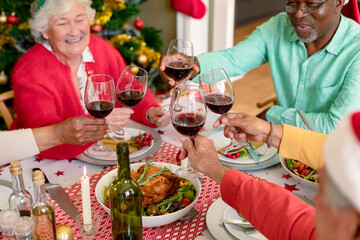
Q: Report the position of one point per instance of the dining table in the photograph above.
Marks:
(205, 225)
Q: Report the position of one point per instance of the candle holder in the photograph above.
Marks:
(88, 230)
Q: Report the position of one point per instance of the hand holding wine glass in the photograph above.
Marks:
(130, 91)
(179, 60)
(100, 101)
(188, 115)
(219, 97)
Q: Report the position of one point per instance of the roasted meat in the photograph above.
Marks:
(158, 188)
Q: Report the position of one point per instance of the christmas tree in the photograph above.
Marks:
(115, 20)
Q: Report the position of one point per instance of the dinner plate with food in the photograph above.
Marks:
(165, 197)
(239, 160)
(144, 142)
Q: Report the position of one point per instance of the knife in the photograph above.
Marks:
(251, 151)
(241, 223)
(61, 197)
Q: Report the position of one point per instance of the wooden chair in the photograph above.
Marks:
(5, 112)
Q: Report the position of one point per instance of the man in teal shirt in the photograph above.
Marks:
(314, 55)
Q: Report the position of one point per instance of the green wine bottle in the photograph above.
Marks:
(125, 200)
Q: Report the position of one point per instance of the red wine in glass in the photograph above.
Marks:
(130, 98)
(178, 69)
(219, 103)
(100, 109)
(100, 100)
(188, 124)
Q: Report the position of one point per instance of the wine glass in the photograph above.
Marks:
(188, 115)
(100, 100)
(219, 97)
(179, 59)
(130, 90)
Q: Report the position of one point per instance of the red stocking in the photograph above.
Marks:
(193, 8)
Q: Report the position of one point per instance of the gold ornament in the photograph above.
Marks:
(64, 232)
(134, 70)
(3, 78)
(142, 59)
(3, 18)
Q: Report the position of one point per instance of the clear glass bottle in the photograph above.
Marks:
(19, 199)
(24, 229)
(125, 200)
(42, 210)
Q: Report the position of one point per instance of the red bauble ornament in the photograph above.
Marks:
(139, 24)
(96, 28)
(12, 19)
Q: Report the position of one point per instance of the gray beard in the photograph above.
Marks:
(312, 37)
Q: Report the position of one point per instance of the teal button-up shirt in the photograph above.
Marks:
(325, 86)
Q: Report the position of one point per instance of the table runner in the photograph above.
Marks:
(174, 231)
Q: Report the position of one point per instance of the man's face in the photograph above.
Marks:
(333, 223)
(320, 24)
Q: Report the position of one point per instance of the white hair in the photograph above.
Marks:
(40, 18)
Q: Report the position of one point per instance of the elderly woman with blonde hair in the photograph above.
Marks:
(49, 80)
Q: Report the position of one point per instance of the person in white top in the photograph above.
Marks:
(24, 143)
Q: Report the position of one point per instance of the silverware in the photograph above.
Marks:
(307, 124)
(190, 215)
(61, 197)
(252, 152)
(241, 223)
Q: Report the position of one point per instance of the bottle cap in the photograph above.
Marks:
(38, 177)
(24, 227)
(15, 168)
(123, 147)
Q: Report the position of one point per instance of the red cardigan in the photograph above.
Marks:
(45, 93)
(271, 209)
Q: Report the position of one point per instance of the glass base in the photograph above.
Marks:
(189, 173)
(117, 136)
(100, 150)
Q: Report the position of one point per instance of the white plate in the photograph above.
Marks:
(218, 230)
(231, 213)
(221, 141)
(4, 200)
(134, 128)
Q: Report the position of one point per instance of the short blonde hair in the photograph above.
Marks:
(40, 18)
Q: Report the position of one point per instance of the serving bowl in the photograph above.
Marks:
(148, 221)
(302, 181)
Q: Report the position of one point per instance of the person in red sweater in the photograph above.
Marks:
(275, 211)
(49, 80)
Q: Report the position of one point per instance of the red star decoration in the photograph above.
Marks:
(38, 159)
(160, 132)
(202, 130)
(70, 159)
(59, 173)
(291, 187)
(1, 171)
(287, 176)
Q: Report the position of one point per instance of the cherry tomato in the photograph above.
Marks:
(185, 201)
(305, 172)
(107, 204)
(301, 167)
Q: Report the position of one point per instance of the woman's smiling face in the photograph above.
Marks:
(69, 34)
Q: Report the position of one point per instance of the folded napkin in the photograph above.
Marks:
(112, 143)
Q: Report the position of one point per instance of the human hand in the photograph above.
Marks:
(157, 117)
(203, 157)
(80, 130)
(243, 127)
(117, 118)
(170, 82)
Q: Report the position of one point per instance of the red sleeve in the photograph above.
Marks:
(273, 210)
